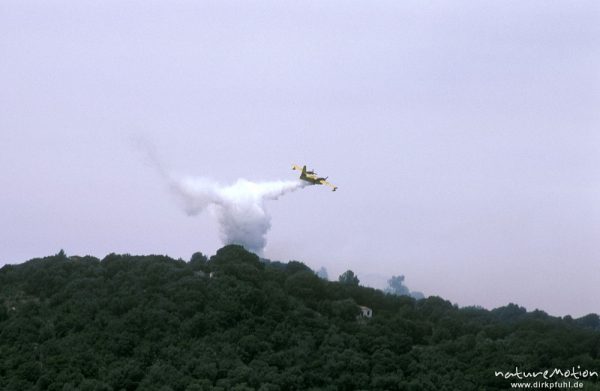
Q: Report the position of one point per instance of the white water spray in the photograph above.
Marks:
(239, 208)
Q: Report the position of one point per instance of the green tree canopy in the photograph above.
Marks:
(155, 323)
(348, 278)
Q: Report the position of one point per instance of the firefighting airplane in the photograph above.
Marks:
(311, 177)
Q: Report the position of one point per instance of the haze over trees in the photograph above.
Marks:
(234, 322)
(322, 272)
(396, 287)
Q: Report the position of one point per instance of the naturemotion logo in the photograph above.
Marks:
(572, 373)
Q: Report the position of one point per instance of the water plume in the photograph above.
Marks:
(239, 208)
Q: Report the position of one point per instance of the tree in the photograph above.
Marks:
(198, 260)
(348, 278)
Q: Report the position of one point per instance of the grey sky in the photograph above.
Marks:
(464, 136)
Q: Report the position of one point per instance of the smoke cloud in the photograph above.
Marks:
(239, 208)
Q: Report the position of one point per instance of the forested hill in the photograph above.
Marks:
(233, 322)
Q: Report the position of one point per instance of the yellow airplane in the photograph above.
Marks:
(311, 177)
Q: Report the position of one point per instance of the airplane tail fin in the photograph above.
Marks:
(298, 168)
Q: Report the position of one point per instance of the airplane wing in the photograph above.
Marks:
(324, 182)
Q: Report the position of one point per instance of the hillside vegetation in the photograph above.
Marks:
(234, 322)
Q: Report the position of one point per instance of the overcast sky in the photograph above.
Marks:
(464, 136)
